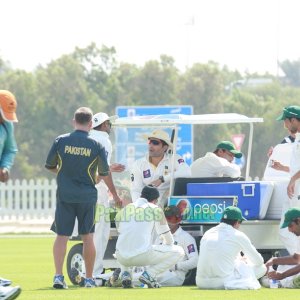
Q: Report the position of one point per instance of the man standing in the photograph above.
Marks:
(136, 224)
(8, 150)
(291, 118)
(220, 264)
(156, 168)
(101, 125)
(218, 163)
(175, 276)
(288, 266)
(75, 158)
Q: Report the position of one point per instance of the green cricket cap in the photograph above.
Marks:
(290, 215)
(233, 213)
(229, 147)
(292, 111)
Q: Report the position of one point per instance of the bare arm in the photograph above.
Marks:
(279, 166)
(287, 260)
(291, 185)
(117, 168)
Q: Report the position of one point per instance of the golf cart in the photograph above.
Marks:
(202, 200)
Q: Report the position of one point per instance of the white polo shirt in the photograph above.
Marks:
(103, 138)
(212, 165)
(136, 223)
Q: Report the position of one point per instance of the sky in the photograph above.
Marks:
(245, 35)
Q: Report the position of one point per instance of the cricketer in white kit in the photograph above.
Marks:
(101, 129)
(291, 117)
(136, 224)
(156, 167)
(220, 264)
(175, 276)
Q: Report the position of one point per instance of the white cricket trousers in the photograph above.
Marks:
(102, 229)
(244, 277)
(171, 278)
(157, 259)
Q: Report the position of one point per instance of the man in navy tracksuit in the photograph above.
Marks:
(76, 158)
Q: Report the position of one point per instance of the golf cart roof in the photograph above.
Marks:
(173, 119)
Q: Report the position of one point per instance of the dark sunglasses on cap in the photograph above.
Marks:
(154, 142)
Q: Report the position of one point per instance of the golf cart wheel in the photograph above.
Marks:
(75, 264)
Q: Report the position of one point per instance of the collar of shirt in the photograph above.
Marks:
(227, 226)
(178, 232)
(83, 132)
(99, 133)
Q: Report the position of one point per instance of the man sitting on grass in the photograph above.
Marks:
(288, 271)
(220, 264)
(136, 224)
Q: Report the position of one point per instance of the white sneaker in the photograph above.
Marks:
(4, 282)
(9, 292)
(126, 280)
(59, 282)
(151, 282)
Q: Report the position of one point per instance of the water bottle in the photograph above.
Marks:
(274, 283)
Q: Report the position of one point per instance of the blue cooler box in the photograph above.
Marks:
(247, 194)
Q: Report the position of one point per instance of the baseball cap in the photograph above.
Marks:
(230, 147)
(8, 106)
(172, 210)
(292, 111)
(161, 135)
(100, 118)
(150, 193)
(290, 215)
(233, 213)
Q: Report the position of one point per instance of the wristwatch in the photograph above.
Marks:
(161, 178)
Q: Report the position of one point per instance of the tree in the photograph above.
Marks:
(291, 70)
(157, 83)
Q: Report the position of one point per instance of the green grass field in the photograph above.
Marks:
(27, 260)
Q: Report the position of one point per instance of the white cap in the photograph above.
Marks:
(161, 135)
(100, 118)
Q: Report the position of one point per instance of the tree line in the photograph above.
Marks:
(92, 76)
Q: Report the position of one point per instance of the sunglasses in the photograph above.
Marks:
(154, 142)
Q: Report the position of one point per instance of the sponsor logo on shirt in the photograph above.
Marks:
(180, 160)
(146, 173)
(191, 248)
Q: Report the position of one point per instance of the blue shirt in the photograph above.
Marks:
(8, 145)
(78, 157)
